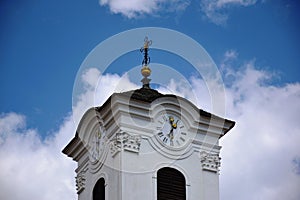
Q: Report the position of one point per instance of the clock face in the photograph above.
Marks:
(98, 144)
(171, 130)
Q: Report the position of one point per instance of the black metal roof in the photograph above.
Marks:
(143, 94)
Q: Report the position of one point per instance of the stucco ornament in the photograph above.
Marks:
(210, 161)
(126, 142)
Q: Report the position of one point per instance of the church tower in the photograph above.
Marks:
(144, 145)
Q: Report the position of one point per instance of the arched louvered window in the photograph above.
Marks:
(99, 190)
(170, 184)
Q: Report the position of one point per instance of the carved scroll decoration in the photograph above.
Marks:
(210, 162)
(126, 142)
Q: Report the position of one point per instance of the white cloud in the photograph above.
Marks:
(30, 167)
(216, 10)
(259, 158)
(90, 77)
(135, 8)
(230, 55)
(10, 123)
(98, 88)
(261, 148)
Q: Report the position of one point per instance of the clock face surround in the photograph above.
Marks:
(171, 131)
(98, 144)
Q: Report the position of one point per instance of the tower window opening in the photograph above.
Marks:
(99, 190)
(170, 184)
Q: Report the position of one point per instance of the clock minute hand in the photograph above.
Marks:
(171, 136)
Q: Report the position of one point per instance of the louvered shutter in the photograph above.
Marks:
(170, 184)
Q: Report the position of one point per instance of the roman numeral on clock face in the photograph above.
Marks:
(171, 143)
(165, 140)
(165, 118)
(160, 134)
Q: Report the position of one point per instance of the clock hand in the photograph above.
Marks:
(171, 135)
(175, 125)
(171, 120)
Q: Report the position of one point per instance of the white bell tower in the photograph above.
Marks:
(145, 145)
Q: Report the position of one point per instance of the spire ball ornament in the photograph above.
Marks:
(146, 71)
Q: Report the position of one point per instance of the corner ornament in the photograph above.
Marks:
(210, 162)
(126, 142)
(80, 181)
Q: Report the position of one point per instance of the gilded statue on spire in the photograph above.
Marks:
(146, 71)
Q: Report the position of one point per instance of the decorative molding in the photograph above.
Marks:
(210, 162)
(126, 142)
(115, 146)
(132, 143)
(80, 181)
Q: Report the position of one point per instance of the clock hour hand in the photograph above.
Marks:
(171, 120)
(174, 125)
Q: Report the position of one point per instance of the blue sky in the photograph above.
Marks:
(43, 44)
